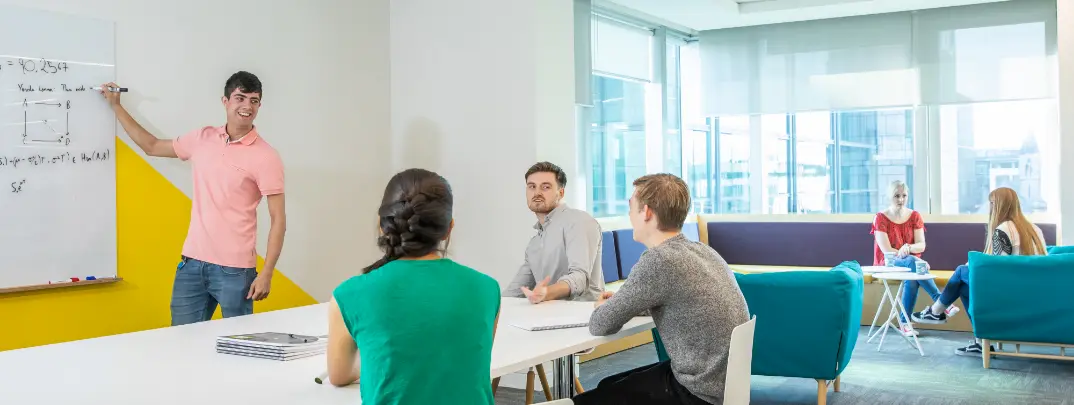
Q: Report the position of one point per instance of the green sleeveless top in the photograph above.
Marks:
(424, 332)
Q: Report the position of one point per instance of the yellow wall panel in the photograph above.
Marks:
(152, 219)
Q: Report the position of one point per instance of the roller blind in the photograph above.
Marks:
(978, 53)
(621, 50)
(987, 52)
(813, 65)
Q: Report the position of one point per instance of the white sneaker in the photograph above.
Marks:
(907, 330)
(951, 310)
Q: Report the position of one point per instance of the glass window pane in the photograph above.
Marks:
(875, 149)
(696, 146)
(673, 142)
(734, 164)
(1005, 144)
(775, 135)
(616, 143)
(814, 158)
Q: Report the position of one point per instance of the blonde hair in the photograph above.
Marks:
(667, 195)
(1005, 207)
(895, 187)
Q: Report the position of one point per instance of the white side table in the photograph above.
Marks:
(872, 271)
(896, 306)
(884, 269)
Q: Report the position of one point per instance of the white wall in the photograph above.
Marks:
(480, 91)
(324, 66)
(1065, 37)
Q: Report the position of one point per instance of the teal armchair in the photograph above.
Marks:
(999, 289)
(820, 311)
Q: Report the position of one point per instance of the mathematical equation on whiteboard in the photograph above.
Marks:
(46, 109)
(58, 159)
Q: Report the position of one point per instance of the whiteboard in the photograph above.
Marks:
(57, 148)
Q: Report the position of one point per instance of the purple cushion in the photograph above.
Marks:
(807, 244)
(826, 244)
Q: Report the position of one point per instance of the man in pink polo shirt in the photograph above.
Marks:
(233, 169)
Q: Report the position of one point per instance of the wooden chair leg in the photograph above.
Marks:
(529, 387)
(837, 383)
(986, 350)
(822, 392)
(578, 386)
(495, 384)
(544, 382)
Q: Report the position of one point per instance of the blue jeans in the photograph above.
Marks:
(200, 286)
(958, 287)
(909, 291)
(909, 294)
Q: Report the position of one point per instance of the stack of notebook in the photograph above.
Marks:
(272, 345)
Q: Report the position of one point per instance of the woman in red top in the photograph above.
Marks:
(901, 230)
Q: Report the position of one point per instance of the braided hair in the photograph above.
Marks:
(415, 216)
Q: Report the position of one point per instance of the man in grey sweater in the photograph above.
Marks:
(691, 294)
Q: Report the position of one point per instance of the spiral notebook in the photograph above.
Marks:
(550, 323)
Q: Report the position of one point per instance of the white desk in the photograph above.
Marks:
(179, 365)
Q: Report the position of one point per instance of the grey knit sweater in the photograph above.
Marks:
(695, 302)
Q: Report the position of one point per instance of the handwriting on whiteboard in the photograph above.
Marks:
(24, 162)
(31, 66)
(46, 112)
(64, 158)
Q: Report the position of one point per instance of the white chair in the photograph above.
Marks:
(736, 390)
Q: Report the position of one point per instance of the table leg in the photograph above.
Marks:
(563, 373)
(893, 314)
(879, 308)
(900, 308)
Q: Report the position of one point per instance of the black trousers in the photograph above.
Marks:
(653, 384)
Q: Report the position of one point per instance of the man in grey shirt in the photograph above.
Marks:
(690, 292)
(563, 259)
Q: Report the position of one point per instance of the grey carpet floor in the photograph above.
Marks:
(896, 374)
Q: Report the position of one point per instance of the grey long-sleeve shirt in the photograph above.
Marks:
(695, 303)
(567, 247)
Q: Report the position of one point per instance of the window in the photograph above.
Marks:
(733, 165)
(620, 124)
(822, 116)
(617, 143)
(825, 162)
(1003, 144)
(875, 149)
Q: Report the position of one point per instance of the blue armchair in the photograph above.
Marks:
(823, 309)
(1022, 299)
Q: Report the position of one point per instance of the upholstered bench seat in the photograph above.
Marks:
(941, 275)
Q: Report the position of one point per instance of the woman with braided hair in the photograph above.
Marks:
(414, 326)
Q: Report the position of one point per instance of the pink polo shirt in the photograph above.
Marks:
(230, 178)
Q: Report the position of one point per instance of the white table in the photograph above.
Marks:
(179, 365)
(884, 269)
(896, 307)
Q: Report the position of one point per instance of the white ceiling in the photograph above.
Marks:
(700, 15)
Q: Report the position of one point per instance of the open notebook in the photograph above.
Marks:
(554, 322)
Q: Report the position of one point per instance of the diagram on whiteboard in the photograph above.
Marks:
(43, 124)
(46, 112)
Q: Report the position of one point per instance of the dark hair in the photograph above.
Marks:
(548, 167)
(245, 81)
(667, 195)
(415, 215)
